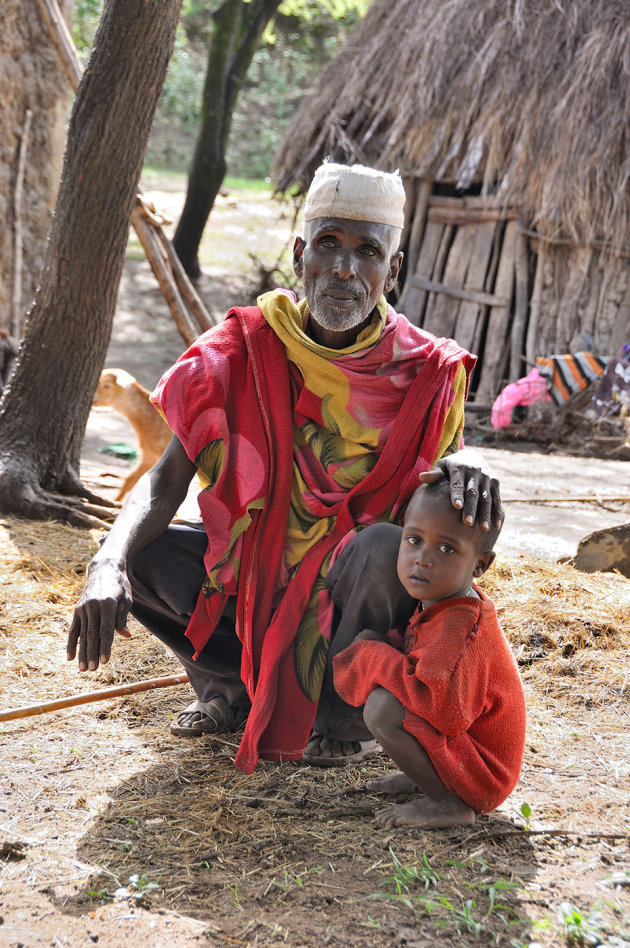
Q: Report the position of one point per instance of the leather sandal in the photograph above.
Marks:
(208, 717)
(365, 750)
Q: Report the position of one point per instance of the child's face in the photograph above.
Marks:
(438, 557)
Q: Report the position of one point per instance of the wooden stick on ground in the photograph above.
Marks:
(72, 700)
(566, 500)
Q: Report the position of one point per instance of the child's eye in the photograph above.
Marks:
(413, 541)
(446, 548)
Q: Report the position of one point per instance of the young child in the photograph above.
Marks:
(445, 701)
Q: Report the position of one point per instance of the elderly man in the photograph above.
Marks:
(311, 424)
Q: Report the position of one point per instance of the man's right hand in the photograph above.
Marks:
(103, 608)
(106, 598)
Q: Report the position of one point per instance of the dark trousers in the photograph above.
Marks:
(166, 577)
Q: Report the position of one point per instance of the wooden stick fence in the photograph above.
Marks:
(477, 274)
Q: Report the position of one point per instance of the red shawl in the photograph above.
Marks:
(228, 400)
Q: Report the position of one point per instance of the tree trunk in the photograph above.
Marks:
(238, 27)
(31, 80)
(45, 408)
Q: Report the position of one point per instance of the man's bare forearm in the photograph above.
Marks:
(150, 507)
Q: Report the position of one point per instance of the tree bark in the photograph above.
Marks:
(238, 27)
(45, 408)
(31, 79)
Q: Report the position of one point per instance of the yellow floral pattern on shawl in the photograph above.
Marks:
(333, 452)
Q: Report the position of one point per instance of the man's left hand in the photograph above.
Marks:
(473, 489)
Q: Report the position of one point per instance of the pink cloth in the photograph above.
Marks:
(530, 389)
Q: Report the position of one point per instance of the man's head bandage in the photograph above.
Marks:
(356, 193)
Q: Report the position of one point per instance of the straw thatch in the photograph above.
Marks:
(527, 98)
(507, 120)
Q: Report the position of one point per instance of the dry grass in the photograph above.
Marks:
(102, 793)
(529, 98)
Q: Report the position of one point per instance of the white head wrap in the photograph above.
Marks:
(356, 193)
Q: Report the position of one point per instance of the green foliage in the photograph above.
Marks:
(102, 895)
(181, 96)
(525, 811)
(581, 929)
(85, 20)
(303, 37)
(488, 914)
(138, 889)
(405, 877)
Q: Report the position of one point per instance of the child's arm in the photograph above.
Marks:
(438, 682)
(393, 637)
(370, 635)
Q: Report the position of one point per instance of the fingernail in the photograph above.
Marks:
(82, 667)
(92, 666)
(469, 520)
(459, 504)
(485, 525)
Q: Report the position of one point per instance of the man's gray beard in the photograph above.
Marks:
(337, 320)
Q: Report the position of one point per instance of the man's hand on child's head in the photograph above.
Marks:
(473, 489)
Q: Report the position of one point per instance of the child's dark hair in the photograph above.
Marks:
(484, 539)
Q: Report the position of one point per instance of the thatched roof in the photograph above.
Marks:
(530, 98)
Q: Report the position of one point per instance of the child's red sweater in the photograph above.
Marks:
(459, 683)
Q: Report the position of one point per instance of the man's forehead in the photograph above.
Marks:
(366, 230)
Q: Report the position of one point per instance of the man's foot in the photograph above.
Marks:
(392, 783)
(428, 814)
(208, 717)
(323, 751)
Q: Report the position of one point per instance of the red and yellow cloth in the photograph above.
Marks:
(299, 445)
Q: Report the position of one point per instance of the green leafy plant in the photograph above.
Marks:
(465, 920)
(526, 811)
(235, 900)
(581, 928)
(138, 889)
(416, 888)
(101, 894)
(407, 876)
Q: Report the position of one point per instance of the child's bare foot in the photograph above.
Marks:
(428, 814)
(392, 783)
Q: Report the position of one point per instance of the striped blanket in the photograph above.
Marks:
(570, 373)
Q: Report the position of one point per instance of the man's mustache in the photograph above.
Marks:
(342, 286)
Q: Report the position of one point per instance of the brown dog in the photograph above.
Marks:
(119, 390)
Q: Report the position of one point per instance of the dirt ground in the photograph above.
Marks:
(113, 832)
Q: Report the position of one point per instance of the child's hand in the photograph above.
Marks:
(369, 635)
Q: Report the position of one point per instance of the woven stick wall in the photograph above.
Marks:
(475, 273)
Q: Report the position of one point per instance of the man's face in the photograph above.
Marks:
(438, 557)
(345, 267)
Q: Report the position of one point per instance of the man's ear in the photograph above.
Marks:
(484, 560)
(298, 250)
(394, 269)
